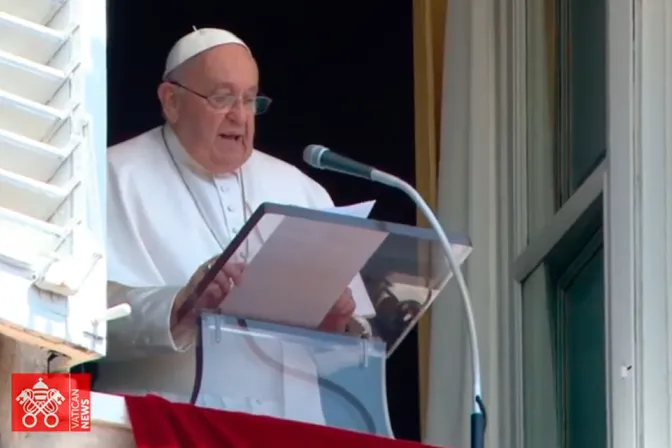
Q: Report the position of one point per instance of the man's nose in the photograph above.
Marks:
(237, 112)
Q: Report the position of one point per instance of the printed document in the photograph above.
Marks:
(303, 267)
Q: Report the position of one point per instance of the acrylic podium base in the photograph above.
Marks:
(292, 373)
(305, 375)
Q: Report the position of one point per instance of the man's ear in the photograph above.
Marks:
(169, 101)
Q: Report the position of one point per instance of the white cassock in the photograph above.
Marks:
(157, 238)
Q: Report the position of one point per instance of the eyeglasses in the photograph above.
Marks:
(256, 104)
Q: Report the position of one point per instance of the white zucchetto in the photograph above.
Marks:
(197, 42)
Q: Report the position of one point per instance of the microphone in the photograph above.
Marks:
(322, 158)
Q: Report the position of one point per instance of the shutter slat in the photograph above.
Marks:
(32, 81)
(32, 241)
(29, 40)
(28, 118)
(37, 11)
(30, 158)
(36, 199)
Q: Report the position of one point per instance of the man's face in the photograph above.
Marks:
(219, 139)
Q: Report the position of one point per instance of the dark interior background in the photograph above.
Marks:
(340, 74)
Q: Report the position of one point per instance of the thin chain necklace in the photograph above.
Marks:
(243, 199)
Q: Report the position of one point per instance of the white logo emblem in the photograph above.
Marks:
(40, 400)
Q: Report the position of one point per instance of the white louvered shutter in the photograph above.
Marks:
(52, 199)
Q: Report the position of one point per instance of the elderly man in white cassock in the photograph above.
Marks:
(177, 195)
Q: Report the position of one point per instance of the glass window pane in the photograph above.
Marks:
(587, 77)
(581, 307)
(564, 356)
(542, 113)
(566, 101)
(541, 404)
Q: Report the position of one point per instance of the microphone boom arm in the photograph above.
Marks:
(478, 416)
(322, 158)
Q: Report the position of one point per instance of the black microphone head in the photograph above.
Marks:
(312, 155)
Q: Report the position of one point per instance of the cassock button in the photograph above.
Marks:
(234, 230)
(229, 208)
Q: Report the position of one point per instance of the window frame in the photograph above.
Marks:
(560, 296)
(637, 213)
(640, 215)
(528, 255)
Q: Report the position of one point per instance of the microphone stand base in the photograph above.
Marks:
(477, 430)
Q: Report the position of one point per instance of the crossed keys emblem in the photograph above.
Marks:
(40, 400)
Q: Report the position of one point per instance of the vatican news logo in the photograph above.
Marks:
(51, 402)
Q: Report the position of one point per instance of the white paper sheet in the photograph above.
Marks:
(302, 268)
(364, 304)
(360, 210)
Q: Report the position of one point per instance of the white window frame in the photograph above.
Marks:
(639, 221)
(529, 255)
(636, 178)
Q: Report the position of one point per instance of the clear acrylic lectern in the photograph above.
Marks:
(271, 358)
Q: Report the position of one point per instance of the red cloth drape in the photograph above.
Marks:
(158, 423)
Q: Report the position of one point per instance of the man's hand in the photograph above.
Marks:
(189, 304)
(338, 317)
